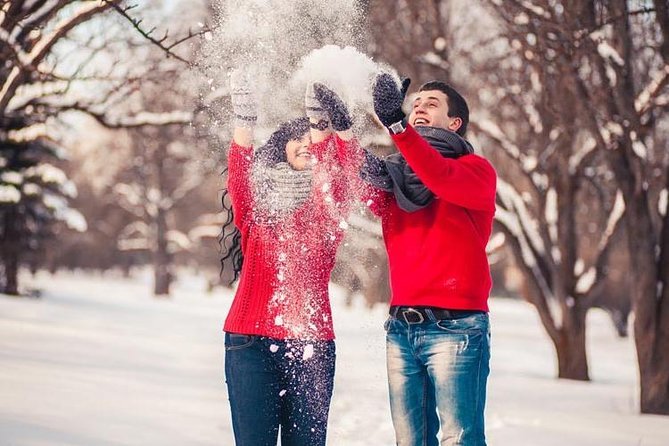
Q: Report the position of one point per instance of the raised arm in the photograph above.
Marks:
(240, 160)
(318, 117)
(240, 155)
(376, 183)
(348, 154)
(468, 181)
(244, 106)
(328, 108)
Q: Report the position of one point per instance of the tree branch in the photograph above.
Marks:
(143, 119)
(159, 42)
(43, 47)
(537, 295)
(644, 101)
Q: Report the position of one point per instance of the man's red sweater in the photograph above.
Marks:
(437, 254)
(283, 287)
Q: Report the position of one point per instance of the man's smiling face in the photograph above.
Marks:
(430, 108)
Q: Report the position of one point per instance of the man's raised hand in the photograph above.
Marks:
(388, 98)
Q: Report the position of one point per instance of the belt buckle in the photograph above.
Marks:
(407, 311)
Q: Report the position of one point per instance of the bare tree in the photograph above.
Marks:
(560, 216)
(557, 204)
(49, 51)
(413, 36)
(29, 34)
(543, 253)
(163, 175)
(609, 61)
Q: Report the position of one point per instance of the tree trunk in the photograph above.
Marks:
(11, 262)
(650, 305)
(12, 251)
(162, 257)
(163, 278)
(651, 327)
(161, 262)
(654, 374)
(570, 348)
(648, 247)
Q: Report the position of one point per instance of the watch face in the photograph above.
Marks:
(397, 127)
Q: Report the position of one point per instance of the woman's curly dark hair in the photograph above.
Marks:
(230, 240)
(272, 153)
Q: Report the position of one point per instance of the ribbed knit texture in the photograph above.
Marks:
(437, 254)
(283, 287)
(280, 189)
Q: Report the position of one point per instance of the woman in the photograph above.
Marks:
(288, 200)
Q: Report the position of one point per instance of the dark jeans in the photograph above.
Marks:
(274, 383)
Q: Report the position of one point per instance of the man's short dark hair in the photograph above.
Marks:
(457, 106)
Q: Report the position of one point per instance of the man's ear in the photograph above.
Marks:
(455, 124)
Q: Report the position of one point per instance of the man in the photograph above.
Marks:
(437, 215)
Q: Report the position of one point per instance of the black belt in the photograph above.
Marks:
(416, 315)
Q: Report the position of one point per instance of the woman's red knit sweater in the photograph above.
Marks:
(437, 254)
(283, 286)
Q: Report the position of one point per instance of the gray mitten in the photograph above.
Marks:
(314, 110)
(244, 100)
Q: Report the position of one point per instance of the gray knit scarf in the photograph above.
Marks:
(279, 189)
(393, 174)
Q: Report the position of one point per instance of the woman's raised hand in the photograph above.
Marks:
(335, 108)
(244, 99)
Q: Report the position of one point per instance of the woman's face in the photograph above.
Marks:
(298, 154)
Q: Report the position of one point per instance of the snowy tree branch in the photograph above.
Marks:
(663, 255)
(492, 131)
(524, 225)
(161, 42)
(583, 33)
(142, 119)
(540, 292)
(645, 100)
(42, 48)
(192, 182)
(41, 13)
(588, 280)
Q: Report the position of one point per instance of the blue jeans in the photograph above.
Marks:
(274, 383)
(437, 374)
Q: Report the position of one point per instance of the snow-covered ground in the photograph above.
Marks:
(96, 361)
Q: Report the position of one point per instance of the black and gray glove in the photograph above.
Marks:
(334, 107)
(244, 100)
(388, 99)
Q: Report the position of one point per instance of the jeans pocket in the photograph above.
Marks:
(237, 341)
(390, 325)
(471, 325)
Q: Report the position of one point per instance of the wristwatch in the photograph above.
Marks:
(396, 128)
